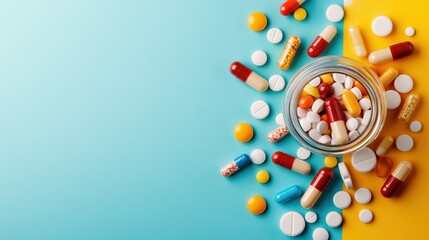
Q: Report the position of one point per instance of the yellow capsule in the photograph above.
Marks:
(351, 103)
(388, 76)
(357, 41)
(327, 78)
(408, 108)
(313, 91)
(289, 52)
(384, 145)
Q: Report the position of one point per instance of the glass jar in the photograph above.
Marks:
(349, 67)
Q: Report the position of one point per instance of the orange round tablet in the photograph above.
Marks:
(257, 21)
(256, 205)
(243, 132)
(305, 102)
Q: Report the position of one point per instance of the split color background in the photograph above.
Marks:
(117, 115)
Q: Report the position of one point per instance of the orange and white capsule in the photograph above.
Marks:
(321, 42)
(396, 178)
(391, 53)
(357, 41)
(317, 186)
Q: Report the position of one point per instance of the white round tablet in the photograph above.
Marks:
(338, 89)
(280, 120)
(393, 99)
(339, 77)
(258, 156)
(276, 83)
(365, 103)
(318, 105)
(334, 219)
(292, 223)
(312, 117)
(320, 234)
(342, 199)
(403, 83)
(259, 58)
(335, 13)
(305, 124)
(409, 31)
(274, 35)
(322, 126)
(325, 139)
(345, 175)
(363, 195)
(301, 112)
(259, 109)
(314, 134)
(352, 124)
(416, 126)
(365, 216)
(311, 217)
(303, 153)
(382, 26)
(364, 160)
(404, 143)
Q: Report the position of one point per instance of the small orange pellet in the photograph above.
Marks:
(361, 88)
(243, 132)
(257, 21)
(324, 117)
(256, 205)
(383, 167)
(305, 102)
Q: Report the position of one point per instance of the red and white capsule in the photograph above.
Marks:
(289, 162)
(290, 6)
(248, 76)
(391, 53)
(322, 40)
(317, 186)
(336, 120)
(396, 178)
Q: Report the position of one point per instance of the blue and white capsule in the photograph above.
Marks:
(288, 194)
(239, 162)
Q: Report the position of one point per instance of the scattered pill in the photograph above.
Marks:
(238, 163)
(289, 162)
(275, 35)
(280, 119)
(262, 176)
(259, 58)
(300, 14)
(246, 75)
(403, 83)
(365, 216)
(364, 160)
(256, 205)
(385, 144)
(408, 107)
(321, 41)
(393, 99)
(334, 219)
(276, 83)
(404, 143)
(345, 175)
(257, 21)
(288, 194)
(357, 41)
(277, 134)
(335, 13)
(342, 199)
(258, 156)
(331, 162)
(391, 53)
(409, 31)
(396, 178)
(382, 26)
(388, 76)
(363, 195)
(320, 234)
(292, 224)
(311, 217)
(243, 132)
(415, 126)
(317, 186)
(288, 53)
(383, 167)
(290, 6)
(260, 109)
(303, 153)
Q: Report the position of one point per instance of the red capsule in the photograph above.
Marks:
(325, 90)
(248, 76)
(391, 53)
(396, 178)
(319, 44)
(317, 186)
(290, 6)
(292, 163)
(336, 120)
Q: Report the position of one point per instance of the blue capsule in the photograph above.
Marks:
(288, 194)
(238, 163)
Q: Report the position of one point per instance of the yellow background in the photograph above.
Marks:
(403, 216)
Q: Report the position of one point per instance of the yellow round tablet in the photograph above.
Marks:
(256, 205)
(300, 14)
(243, 132)
(262, 176)
(257, 21)
(331, 162)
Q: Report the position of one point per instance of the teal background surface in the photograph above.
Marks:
(116, 117)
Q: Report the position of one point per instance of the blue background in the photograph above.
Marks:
(116, 117)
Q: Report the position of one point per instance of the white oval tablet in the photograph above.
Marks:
(320, 234)
(364, 160)
(305, 124)
(314, 134)
(318, 105)
(334, 219)
(404, 143)
(393, 99)
(335, 13)
(363, 195)
(347, 114)
(409, 31)
(259, 58)
(338, 89)
(352, 124)
(416, 126)
(403, 83)
(292, 223)
(353, 135)
(325, 139)
(303, 153)
(356, 91)
(342, 199)
(301, 112)
(276, 83)
(345, 175)
(274, 35)
(315, 82)
(258, 156)
(312, 117)
(365, 216)
(349, 82)
(382, 26)
(339, 77)
(366, 117)
(311, 217)
(365, 104)
(280, 120)
(260, 109)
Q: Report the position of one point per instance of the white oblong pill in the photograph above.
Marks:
(393, 99)
(318, 105)
(382, 26)
(314, 134)
(259, 109)
(315, 82)
(322, 126)
(325, 139)
(312, 117)
(342, 199)
(349, 82)
(353, 135)
(363, 195)
(365, 216)
(352, 124)
(335, 13)
(274, 35)
(259, 58)
(334, 219)
(338, 89)
(365, 103)
(404, 143)
(280, 120)
(345, 175)
(339, 77)
(410, 31)
(276, 83)
(320, 234)
(311, 217)
(356, 91)
(364, 160)
(361, 129)
(403, 83)
(258, 156)
(292, 223)
(416, 126)
(306, 126)
(301, 112)
(366, 118)
(303, 153)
